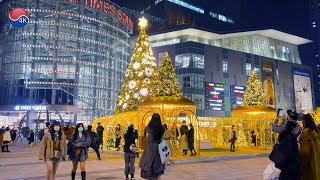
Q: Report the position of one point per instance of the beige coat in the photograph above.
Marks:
(46, 147)
(7, 136)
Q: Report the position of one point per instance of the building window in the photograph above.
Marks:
(225, 65)
(257, 70)
(189, 60)
(187, 81)
(248, 68)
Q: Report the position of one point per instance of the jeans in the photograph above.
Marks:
(129, 159)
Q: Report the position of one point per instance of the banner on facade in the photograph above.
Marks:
(268, 85)
(302, 90)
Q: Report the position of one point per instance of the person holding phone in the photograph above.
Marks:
(292, 116)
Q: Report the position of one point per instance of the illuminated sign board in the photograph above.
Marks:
(237, 93)
(28, 108)
(108, 8)
(214, 96)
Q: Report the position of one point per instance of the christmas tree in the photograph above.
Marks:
(141, 77)
(169, 85)
(254, 95)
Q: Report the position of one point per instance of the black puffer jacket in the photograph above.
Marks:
(128, 140)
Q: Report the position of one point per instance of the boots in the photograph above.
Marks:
(73, 175)
(83, 175)
(7, 147)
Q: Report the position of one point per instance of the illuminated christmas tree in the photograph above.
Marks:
(169, 85)
(254, 95)
(141, 78)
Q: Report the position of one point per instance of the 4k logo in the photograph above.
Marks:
(19, 17)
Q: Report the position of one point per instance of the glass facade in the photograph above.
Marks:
(190, 70)
(183, 4)
(255, 44)
(69, 55)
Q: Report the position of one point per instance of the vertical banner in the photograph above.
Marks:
(237, 93)
(302, 90)
(268, 85)
(215, 96)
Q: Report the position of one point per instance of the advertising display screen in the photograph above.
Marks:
(237, 93)
(268, 86)
(215, 96)
(302, 90)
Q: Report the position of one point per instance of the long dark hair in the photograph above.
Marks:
(156, 126)
(76, 132)
(129, 132)
(52, 132)
(309, 122)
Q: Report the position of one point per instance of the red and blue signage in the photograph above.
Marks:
(215, 96)
(19, 17)
(237, 93)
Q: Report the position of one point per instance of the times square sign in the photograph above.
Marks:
(109, 8)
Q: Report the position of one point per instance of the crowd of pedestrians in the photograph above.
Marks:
(297, 151)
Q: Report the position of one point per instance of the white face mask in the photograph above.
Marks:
(56, 128)
(80, 129)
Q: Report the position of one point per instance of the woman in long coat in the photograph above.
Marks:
(310, 149)
(150, 163)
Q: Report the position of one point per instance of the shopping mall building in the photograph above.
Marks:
(66, 64)
(213, 67)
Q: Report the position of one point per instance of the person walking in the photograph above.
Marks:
(53, 148)
(130, 152)
(6, 139)
(290, 166)
(150, 163)
(94, 141)
(118, 137)
(31, 138)
(310, 149)
(191, 140)
(100, 130)
(233, 139)
(184, 138)
(80, 143)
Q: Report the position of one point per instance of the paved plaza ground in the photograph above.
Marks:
(22, 163)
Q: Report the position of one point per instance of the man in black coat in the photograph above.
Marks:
(100, 130)
(94, 139)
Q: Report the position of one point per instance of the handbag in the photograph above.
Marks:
(57, 154)
(164, 151)
(271, 172)
(133, 148)
(277, 156)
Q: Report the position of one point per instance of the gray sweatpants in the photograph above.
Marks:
(129, 159)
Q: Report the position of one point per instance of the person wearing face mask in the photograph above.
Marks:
(80, 143)
(53, 148)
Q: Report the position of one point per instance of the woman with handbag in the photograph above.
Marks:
(310, 149)
(79, 145)
(130, 151)
(53, 148)
(150, 163)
